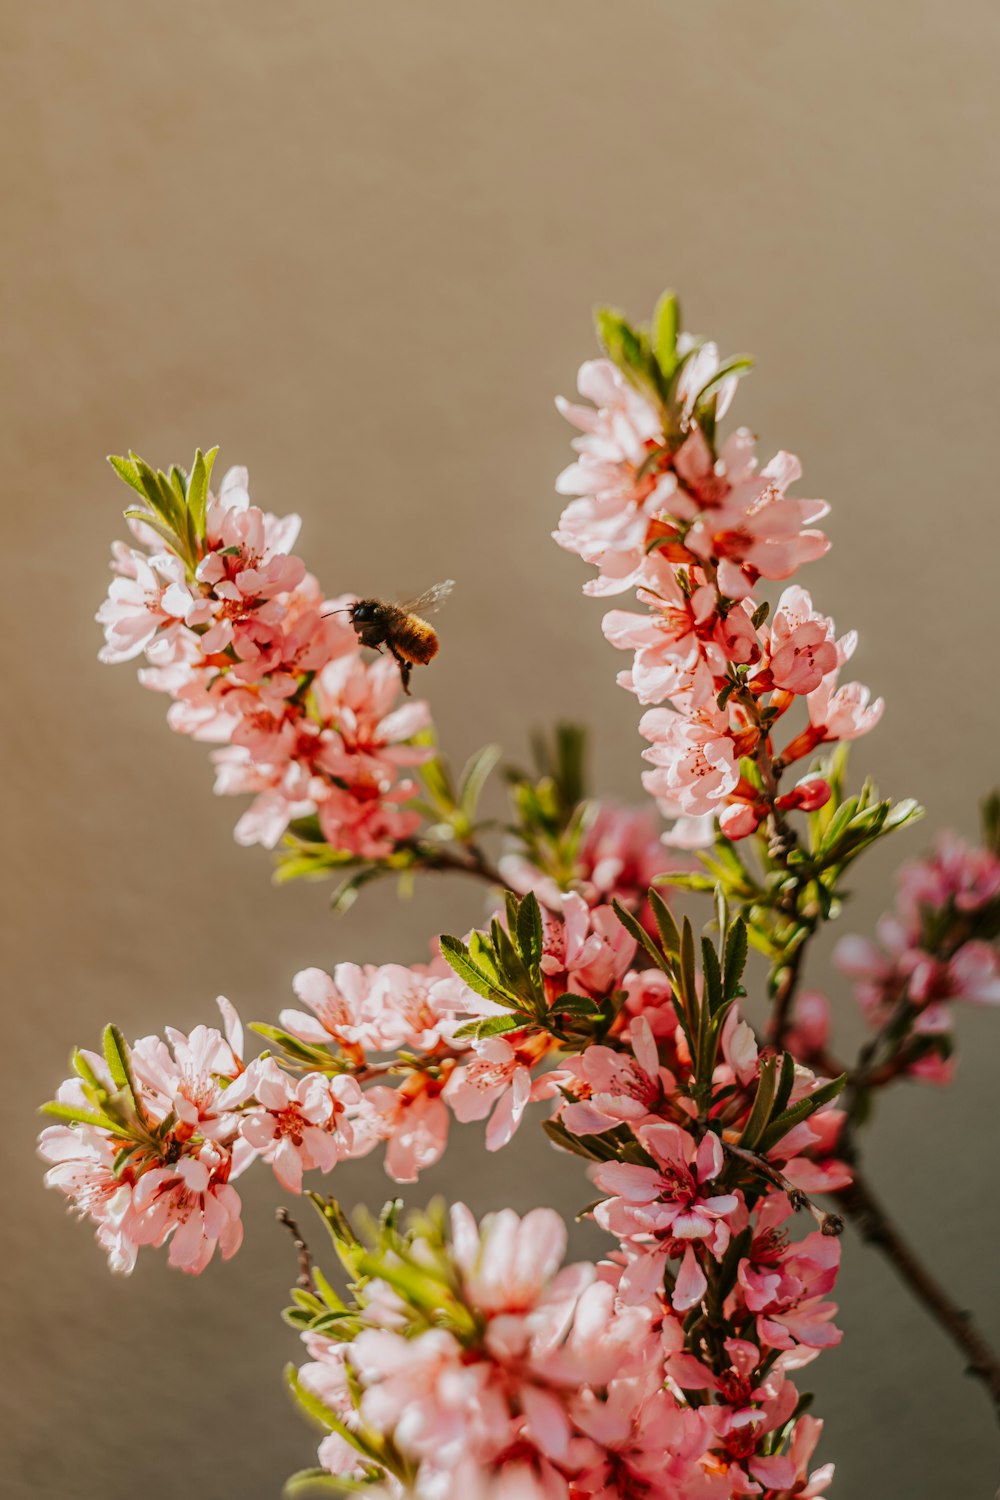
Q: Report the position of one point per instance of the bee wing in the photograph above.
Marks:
(432, 599)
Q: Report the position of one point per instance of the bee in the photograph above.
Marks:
(400, 628)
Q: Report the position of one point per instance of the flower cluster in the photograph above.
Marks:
(694, 529)
(239, 636)
(377, 1054)
(148, 1147)
(937, 946)
(470, 1350)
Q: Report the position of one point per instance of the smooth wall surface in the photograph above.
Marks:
(358, 245)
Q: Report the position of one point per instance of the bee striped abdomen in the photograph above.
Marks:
(416, 640)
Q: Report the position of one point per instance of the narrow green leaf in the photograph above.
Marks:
(633, 926)
(456, 955)
(782, 1124)
(530, 936)
(665, 924)
(127, 471)
(474, 778)
(558, 1133)
(314, 1407)
(305, 1052)
(148, 518)
(666, 326)
(735, 958)
(576, 1005)
(739, 365)
(786, 1082)
(689, 982)
(197, 494)
(712, 986)
(761, 1112)
(82, 1067)
(491, 1026)
(80, 1116)
(321, 1482)
(119, 1061)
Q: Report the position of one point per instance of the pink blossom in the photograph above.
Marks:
(341, 1006)
(83, 1160)
(785, 1286)
(421, 1391)
(133, 611)
(193, 1205)
(498, 1079)
(507, 1262)
(757, 530)
(371, 736)
(588, 952)
(694, 756)
(667, 1203)
(411, 1119)
(295, 1125)
(606, 525)
(955, 872)
(805, 1485)
(670, 641)
(612, 1088)
(843, 713)
(187, 1078)
(802, 649)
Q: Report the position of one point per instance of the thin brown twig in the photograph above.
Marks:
(305, 1276)
(875, 1226)
(475, 864)
(831, 1224)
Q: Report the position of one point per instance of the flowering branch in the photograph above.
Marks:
(461, 1358)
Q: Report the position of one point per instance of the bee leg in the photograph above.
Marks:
(405, 668)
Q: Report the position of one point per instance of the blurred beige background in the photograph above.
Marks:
(358, 245)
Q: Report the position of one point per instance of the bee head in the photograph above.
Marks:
(364, 612)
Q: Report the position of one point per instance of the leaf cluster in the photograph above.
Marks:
(656, 360)
(702, 1002)
(174, 504)
(503, 966)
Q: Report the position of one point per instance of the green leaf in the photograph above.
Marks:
(148, 518)
(126, 470)
(576, 1005)
(689, 981)
(321, 1413)
(82, 1067)
(557, 1132)
(456, 955)
(321, 1482)
(197, 494)
(78, 1116)
(474, 777)
(665, 924)
(712, 987)
(160, 496)
(305, 1052)
(782, 1124)
(739, 366)
(735, 958)
(761, 1112)
(490, 1026)
(666, 326)
(786, 1082)
(633, 926)
(119, 1061)
(530, 935)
